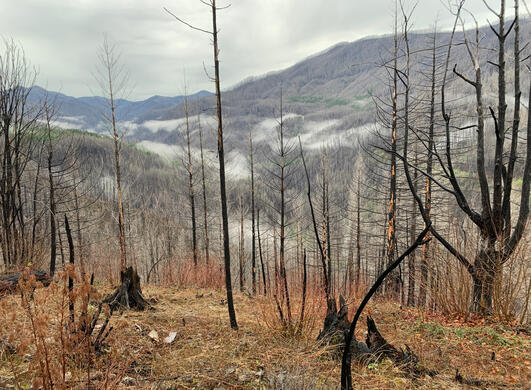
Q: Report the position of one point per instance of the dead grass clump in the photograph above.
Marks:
(308, 309)
(184, 274)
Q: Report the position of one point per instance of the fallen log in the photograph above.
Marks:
(9, 283)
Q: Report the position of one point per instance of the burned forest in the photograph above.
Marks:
(270, 195)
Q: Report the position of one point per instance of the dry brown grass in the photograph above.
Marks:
(207, 354)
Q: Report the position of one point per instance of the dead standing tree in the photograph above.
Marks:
(49, 114)
(203, 183)
(394, 280)
(221, 153)
(190, 170)
(253, 231)
(113, 79)
(498, 233)
(18, 120)
(281, 169)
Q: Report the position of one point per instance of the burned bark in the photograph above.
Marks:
(129, 294)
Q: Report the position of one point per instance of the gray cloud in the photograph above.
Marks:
(61, 37)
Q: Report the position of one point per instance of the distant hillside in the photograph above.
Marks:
(328, 95)
(85, 113)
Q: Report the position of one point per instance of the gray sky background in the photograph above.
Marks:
(61, 37)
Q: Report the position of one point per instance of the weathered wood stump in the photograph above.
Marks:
(9, 283)
(129, 294)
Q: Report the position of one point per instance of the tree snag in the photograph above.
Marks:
(129, 294)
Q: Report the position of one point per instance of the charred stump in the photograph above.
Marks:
(336, 324)
(376, 348)
(129, 294)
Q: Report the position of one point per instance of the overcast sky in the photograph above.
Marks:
(61, 37)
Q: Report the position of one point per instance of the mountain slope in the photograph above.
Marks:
(328, 97)
(87, 112)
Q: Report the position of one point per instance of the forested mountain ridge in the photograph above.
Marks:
(332, 94)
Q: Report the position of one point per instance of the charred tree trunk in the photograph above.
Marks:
(412, 257)
(71, 262)
(358, 237)
(326, 281)
(191, 194)
(78, 228)
(221, 156)
(53, 221)
(346, 378)
(283, 273)
(350, 262)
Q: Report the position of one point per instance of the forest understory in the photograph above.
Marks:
(185, 342)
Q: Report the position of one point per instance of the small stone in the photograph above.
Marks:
(128, 381)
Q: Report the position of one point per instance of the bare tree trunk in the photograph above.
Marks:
(78, 228)
(71, 262)
(108, 61)
(242, 248)
(358, 236)
(253, 249)
(326, 224)
(350, 262)
(191, 194)
(393, 283)
(260, 251)
(413, 231)
(326, 281)
(425, 256)
(221, 156)
(53, 229)
(205, 209)
(283, 273)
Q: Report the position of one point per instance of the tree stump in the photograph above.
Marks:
(129, 294)
(336, 325)
(376, 348)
